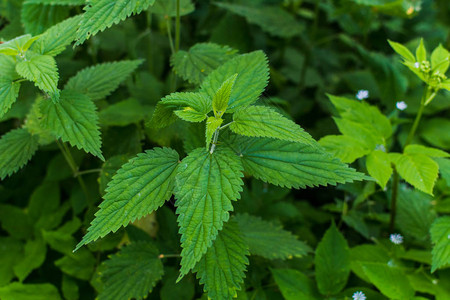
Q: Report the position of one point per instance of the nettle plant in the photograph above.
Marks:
(238, 137)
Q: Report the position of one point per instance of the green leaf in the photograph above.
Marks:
(102, 14)
(428, 151)
(415, 213)
(17, 45)
(444, 168)
(417, 169)
(8, 66)
(101, 80)
(191, 107)
(163, 116)
(42, 70)
(122, 113)
(9, 91)
(34, 256)
(332, 262)
(169, 7)
(359, 131)
(131, 273)
(79, 265)
(402, 51)
(15, 222)
(272, 19)
(212, 123)
(379, 167)
(11, 253)
(34, 126)
(288, 164)
(269, 241)
(262, 121)
(421, 52)
(36, 18)
(222, 267)
(222, 96)
(17, 147)
(253, 71)
(440, 232)
(440, 60)
(344, 147)
(436, 131)
(391, 281)
(201, 59)
(295, 285)
(53, 41)
(205, 186)
(19, 291)
(69, 288)
(367, 253)
(138, 188)
(73, 119)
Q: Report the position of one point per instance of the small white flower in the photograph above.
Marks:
(359, 296)
(396, 238)
(380, 147)
(362, 94)
(417, 65)
(401, 105)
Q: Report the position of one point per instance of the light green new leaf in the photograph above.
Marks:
(34, 256)
(16, 149)
(101, 80)
(421, 52)
(295, 285)
(201, 59)
(211, 126)
(141, 186)
(57, 2)
(42, 70)
(428, 151)
(205, 186)
(102, 14)
(440, 232)
(222, 267)
(391, 281)
(288, 164)
(272, 19)
(19, 291)
(344, 147)
(253, 74)
(9, 91)
(191, 107)
(418, 170)
(440, 60)
(332, 262)
(269, 241)
(402, 51)
(262, 121)
(222, 96)
(169, 7)
(379, 167)
(359, 131)
(131, 273)
(17, 45)
(58, 37)
(73, 119)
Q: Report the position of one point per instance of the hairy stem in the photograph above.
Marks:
(214, 142)
(87, 172)
(71, 162)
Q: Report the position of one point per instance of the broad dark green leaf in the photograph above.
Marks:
(440, 233)
(131, 273)
(74, 119)
(9, 91)
(19, 291)
(295, 285)
(222, 267)
(269, 241)
(17, 147)
(141, 186)
(206, 184)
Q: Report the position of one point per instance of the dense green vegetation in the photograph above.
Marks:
(249, 149)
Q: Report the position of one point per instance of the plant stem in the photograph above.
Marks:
(395, 179)
(214, 142)
(71, 162)
(177, 28)
(168, 255)
(86, 172)
(169, 34)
